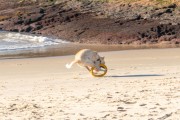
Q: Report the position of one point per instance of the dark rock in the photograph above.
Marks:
(41, 11)
(33, 19)
(38, 27)
(172, 6)
(14, 30)
(168, 11)
(19, 22)
(28, 29)
(97, 22)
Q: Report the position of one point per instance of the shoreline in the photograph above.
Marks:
(72, 48)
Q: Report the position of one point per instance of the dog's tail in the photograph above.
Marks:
(71, 64)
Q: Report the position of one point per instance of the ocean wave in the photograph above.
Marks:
(15, 41)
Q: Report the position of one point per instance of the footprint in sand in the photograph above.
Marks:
(121, 109)
(143, 104)
(165, 116)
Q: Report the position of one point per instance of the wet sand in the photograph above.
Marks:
(139, 85)
(72, 48)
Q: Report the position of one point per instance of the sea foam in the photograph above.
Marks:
(15, 41)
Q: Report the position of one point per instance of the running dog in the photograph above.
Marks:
(87, 58)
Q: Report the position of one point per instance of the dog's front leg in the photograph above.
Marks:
(87, 68)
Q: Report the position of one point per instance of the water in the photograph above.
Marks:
(10, 41)
(18, 45)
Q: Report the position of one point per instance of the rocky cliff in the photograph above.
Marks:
(94, 21)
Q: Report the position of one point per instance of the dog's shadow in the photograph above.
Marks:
(138, 75)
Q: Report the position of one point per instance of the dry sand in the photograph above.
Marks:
(140, 85)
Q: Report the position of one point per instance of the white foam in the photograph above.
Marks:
(14, 41)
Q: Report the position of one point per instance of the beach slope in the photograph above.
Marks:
(139, 85)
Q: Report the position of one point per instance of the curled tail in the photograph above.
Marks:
(71, 64)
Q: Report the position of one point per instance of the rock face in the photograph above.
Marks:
(94, 22)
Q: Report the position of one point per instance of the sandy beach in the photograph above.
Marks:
(139, 85)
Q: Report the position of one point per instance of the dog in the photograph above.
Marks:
(87, 58)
